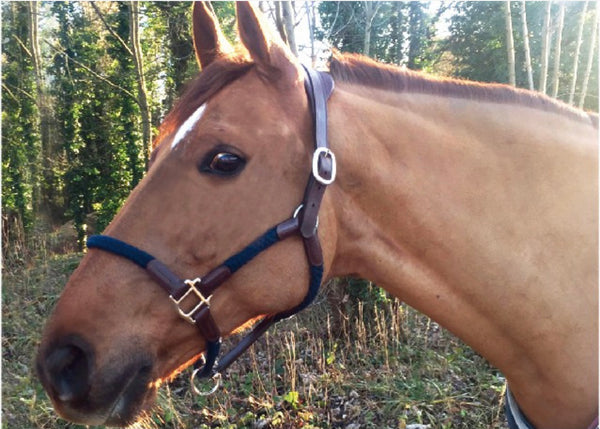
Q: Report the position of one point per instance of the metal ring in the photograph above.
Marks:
(217, 381)
(297, 212)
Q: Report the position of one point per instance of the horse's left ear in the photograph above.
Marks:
(268, 51)
(209, 41)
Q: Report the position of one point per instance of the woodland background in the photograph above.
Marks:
(85, 86)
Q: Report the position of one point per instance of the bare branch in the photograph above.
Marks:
(22, 91)
(20, 42)
(92, 72)
(110, 30)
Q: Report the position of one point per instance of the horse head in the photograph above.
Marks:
(232, 159)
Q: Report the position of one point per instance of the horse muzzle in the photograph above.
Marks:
(113, 394)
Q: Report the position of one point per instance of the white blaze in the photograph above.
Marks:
(188, 126)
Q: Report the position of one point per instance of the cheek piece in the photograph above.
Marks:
(192, 297)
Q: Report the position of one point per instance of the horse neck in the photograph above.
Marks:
(484, 217)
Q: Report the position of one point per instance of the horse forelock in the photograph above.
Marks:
(361, 70)
(211, 80)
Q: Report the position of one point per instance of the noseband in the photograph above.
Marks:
(192, 297)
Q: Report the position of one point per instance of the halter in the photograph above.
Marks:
(192, 297)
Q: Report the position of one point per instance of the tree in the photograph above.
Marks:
(590, 61)
(477, 41)
(288, 17)
(20, 131)
(134, 28)
(370, 10)
(98, 125)
(510, 45)
(311, 19)
(545, 48)
(526, 48)
(577, 50)
(419, 35)
(557, 51)
(384, 34)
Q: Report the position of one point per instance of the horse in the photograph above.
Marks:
(476, 204)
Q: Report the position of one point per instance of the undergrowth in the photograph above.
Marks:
(378, 364)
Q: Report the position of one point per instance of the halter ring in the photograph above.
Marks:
(297, 212)
(217, 381)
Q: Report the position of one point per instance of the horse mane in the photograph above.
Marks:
(361, 70)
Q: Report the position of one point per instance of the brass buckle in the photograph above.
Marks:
(202, 300)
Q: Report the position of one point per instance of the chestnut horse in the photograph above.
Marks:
(475, 204)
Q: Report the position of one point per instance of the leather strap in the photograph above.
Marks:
(319, 87)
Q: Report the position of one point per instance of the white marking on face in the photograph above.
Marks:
(188, 126)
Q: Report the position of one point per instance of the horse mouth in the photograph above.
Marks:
(133, 398)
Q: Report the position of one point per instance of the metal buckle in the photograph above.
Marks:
(315, 165)
(216, 378)
(203, 300)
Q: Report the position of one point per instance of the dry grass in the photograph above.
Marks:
(380, 365)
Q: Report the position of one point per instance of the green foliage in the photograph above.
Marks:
(21, 146)
(477, 44)
(171, 24)
(477, 41)
(99, 127)
(401, 32)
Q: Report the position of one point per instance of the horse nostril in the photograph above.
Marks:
(67, 369)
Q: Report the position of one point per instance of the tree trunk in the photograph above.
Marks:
(279, 22)
(545, 48)
(526, 46)
(42, 123)
(288, 22)
(510, 45)
(557, 52)
(134, 20)
(577, 50)
(590, 61)
(370, 11)
(311, 18)
(399, 37)
(416, 34)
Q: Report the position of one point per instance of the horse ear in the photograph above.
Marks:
(269, 52)
(209, 41)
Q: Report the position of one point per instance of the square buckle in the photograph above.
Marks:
(202, 300)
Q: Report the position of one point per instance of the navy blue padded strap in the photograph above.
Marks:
(316, 276)
(262, 243)
(120, 248)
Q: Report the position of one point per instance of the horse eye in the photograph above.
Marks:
(223, 163)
